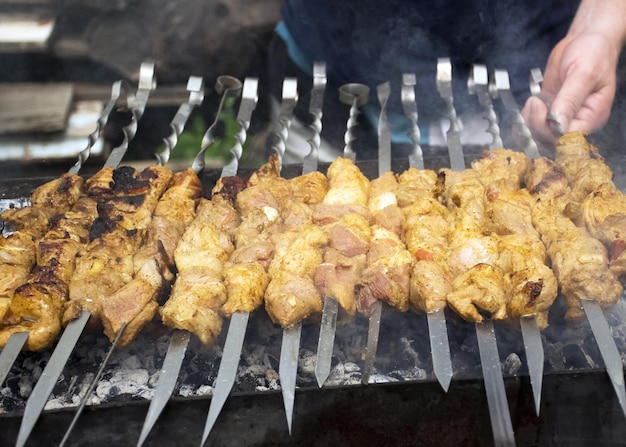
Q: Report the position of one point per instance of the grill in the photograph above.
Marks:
(402, 405)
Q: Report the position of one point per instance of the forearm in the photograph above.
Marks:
(607, 17)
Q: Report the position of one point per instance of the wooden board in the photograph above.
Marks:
(34, 107)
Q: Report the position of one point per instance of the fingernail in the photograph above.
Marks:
(556, 122)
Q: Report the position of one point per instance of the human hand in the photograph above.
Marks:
(579, 84)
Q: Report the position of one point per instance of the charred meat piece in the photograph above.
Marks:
(136, 303)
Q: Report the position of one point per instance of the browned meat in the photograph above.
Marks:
(105, 265)
(344, 217)
(38, 303)
(579, 261)
(49, 199)
(262, 207)
(199, 292)
(473, 254)
(135, 304)
(530, 285)
(596, 202)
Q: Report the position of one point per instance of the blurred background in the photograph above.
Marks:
(59, 58)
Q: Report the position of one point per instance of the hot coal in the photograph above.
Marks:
(403, 356)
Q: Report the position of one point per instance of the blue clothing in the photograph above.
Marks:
(374, 41)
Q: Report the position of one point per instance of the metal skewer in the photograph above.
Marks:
(316, 106)
(231, 355)
(195, 86)
(478, 84)
(437, 328)
(290, 345)
(533, 347)
(17, 341)
(74, 329)
(490, 359)
(384, 165)
(227, 87)
(354, 95)
(597, 320)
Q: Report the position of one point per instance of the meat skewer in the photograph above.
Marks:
(245, 274)
(602, 210)
(387, 265)
(227, 86)
(345, 192)
(124, 313)
(437, 328)
(66, 343)
(48, 199)
(590, 171)
(531, 335)
(490, 360)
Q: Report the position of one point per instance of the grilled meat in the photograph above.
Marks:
(596, 202)
(49, 199)
(473, 253)
(199, 292)
(261, 206)
(579, 261)
(38, 303)
(136, 303)
(425, 232)
(531, 286)
(344, 217)
(388, 262)
(291, 295)
(105, 265)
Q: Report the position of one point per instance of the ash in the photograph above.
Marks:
(403, 356)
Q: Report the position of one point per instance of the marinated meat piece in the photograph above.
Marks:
(291, 295)
(344, 218)
(337, 277)
(55, 197)
(174, 212)
(479, 290)
(579, 261)
(199, 292)
(425, 232)
(105, 265)
(383, 204)
(530, 284)
(387, 274)
(417, 183)
(136, 303)
(473, 253)
(596, 202)
(245, 273)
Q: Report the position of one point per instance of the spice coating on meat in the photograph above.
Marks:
(579, 261)
(343, 216)
(596, 202)
(136, 303)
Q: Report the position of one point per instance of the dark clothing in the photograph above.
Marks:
(374, 41)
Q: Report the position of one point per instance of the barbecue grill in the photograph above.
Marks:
(403, 404)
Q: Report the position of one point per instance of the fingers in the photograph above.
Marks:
(535, 114)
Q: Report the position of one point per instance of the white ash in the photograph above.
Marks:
(403, 355)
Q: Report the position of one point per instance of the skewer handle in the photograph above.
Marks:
(355, 95)
(195, 87)
(409, 105)
(478, 84)
(227, 87)
(316, 110)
